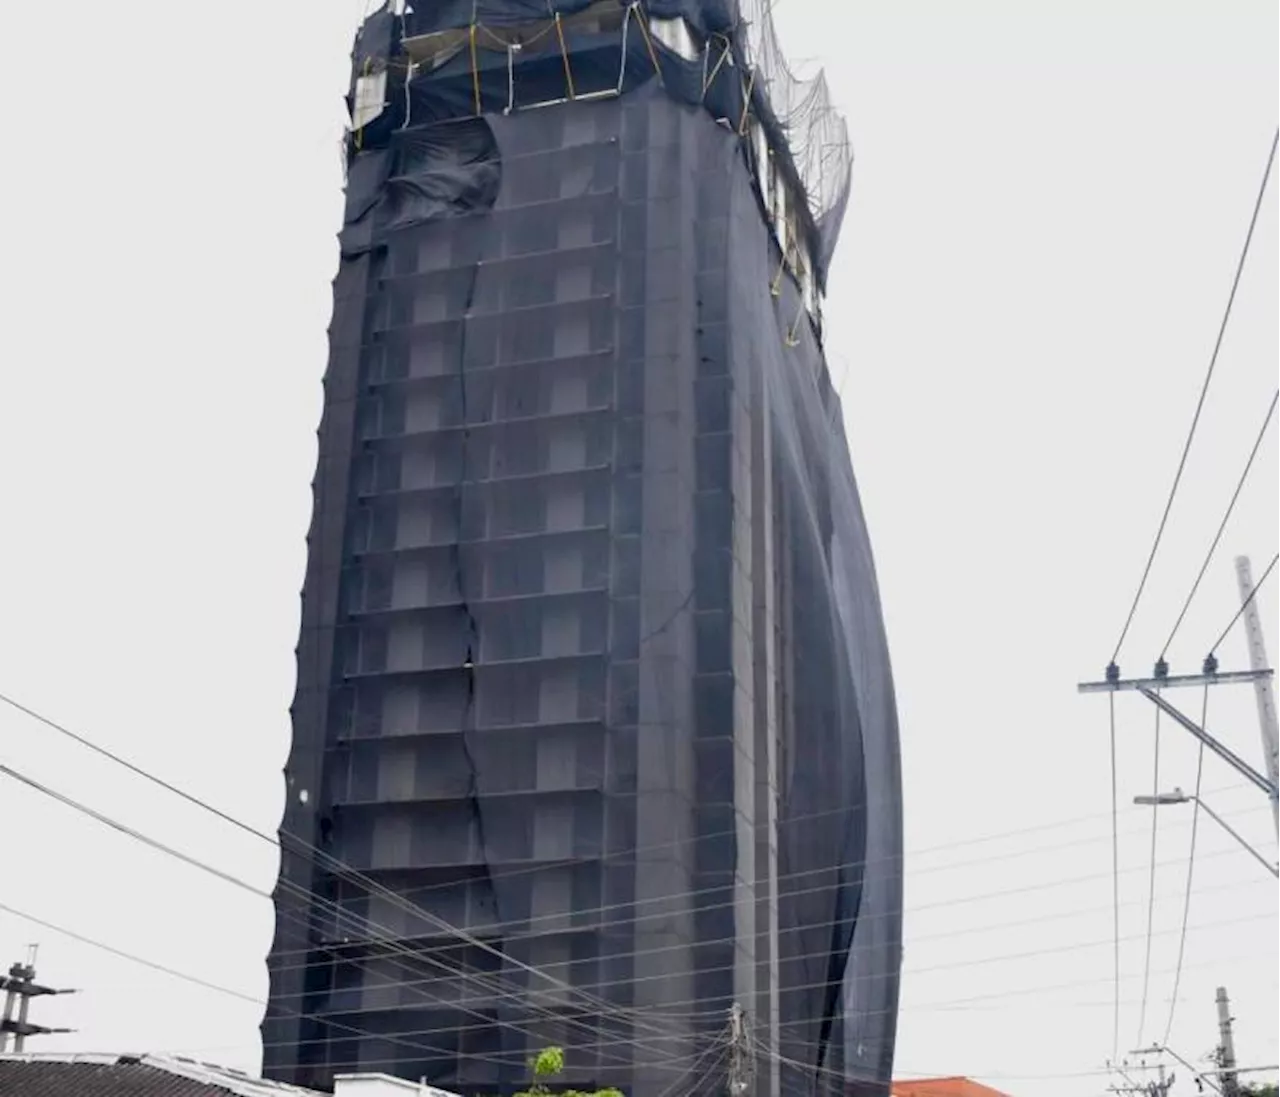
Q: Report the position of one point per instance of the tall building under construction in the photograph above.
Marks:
(595, 742)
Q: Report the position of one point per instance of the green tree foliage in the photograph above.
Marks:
(546, 1065)
(1268, 1090)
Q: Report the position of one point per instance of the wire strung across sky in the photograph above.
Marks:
(401, 1038)
(453, 974)
(488, 990)
(358, 923)
(1222, 526)
(1151, 886)
(487, 986)
(512, 873)
(1115, 874)
(1133, 608)
(1204, 390)
(1191, 864)
(1244, 605)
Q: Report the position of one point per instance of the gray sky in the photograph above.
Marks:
(1049, 200)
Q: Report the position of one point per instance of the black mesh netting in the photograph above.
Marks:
(593, 689)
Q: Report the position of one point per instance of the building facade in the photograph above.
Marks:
(594, 730)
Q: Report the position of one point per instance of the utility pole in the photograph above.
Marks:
(1263, 689)
(20, 987)
(740, 1058)
(1226, 1047)
(1158, 1088)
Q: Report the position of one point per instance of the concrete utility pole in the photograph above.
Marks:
(20, 987)
(1158, 1088)
(1263, 688)
(1226, 1047)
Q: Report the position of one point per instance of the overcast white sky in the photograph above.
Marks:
(1049, 200)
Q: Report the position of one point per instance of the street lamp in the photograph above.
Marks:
(1177, 796)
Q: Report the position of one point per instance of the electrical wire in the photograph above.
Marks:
(137, 835)
(582, 911)
(493, 988)
(520, 872)
(174, 973)
(504, 875)
(1115, 876)
(1151, 884)
(355, 918)
(950, 934)
(1244, 605)
(715, 1007)
(218, 873)
(722, 1044)
(1218, 963)
(866, 977)
(418, 955)
(1204, 390)
(1222, 526)
(489, 997)
(129, 832)
(325, 859)
(206, 984)
(1191, 864)
(822, 954)
(398, 949)
(182, 856)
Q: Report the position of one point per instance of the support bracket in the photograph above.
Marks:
(1226, 754)
(1173, 681)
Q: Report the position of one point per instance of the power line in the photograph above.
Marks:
(419, 955)
(1040, 850)
(196, 863)
(946, 1005)
(241, 996)
(174, 973)
(393, 940)
(325, 859)
(1151, 885)
(1222, 525)
(1015, 923)
(980, 961)
(139, 771)
(343, 913)
(129, 832)
(396, 1037)
(461, 974)
(1115, 877)
(1204, 390)
(197, 981)
(1191, 863)
(1244, 605)
(514, 873)
(648, 952)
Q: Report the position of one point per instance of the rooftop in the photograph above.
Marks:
(88, 1075)
(942, 1087)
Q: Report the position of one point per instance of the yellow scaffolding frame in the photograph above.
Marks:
(648, 40)
(775, 287)
(475, 70)
(359, 134)
(792, 341)
(746, 104)
(564, 56)
(724, 53)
